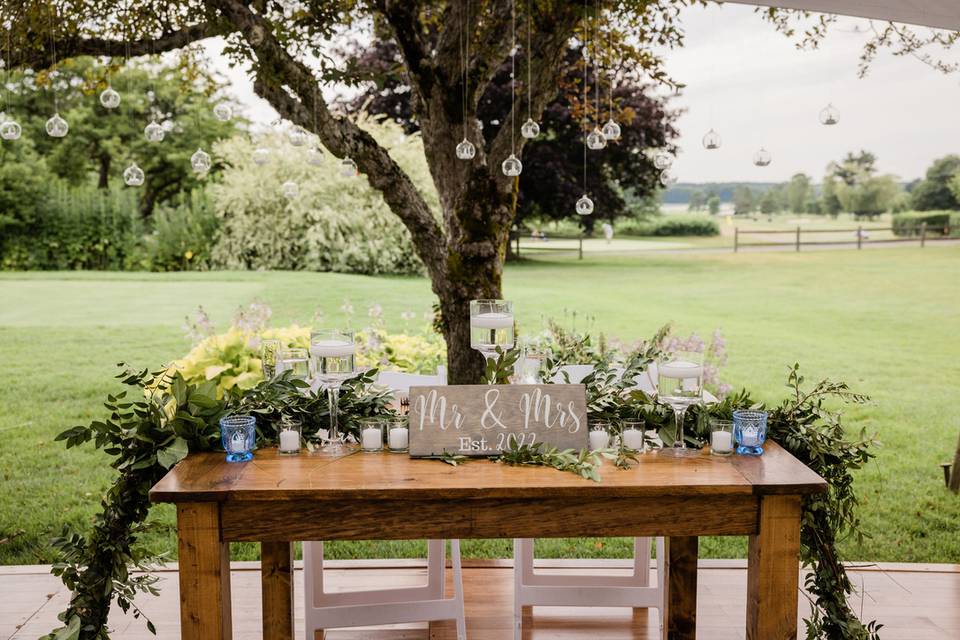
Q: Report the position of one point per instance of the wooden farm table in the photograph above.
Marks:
(277, 499)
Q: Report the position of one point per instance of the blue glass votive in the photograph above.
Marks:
(750, 431)
(238, 434)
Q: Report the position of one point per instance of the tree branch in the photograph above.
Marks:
(274, 68)
(402, 16)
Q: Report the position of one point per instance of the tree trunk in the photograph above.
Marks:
(104, 179)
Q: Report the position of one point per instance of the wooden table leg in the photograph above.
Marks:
(204, 573)
(681, 565)
(773, 571)
(276, 577)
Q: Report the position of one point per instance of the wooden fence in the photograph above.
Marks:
(544, 245)
(861, 237)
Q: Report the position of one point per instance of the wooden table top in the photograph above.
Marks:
(204, 477)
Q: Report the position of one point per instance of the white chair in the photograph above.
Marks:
(425, 603)
(557, 589)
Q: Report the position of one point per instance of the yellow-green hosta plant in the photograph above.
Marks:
(411, 353)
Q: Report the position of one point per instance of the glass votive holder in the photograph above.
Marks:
(632, 436)
(721, 437)
(398, 434)
(289, 436)
(750, 431)
(269, 354)
(238, 434)
(599, 436)
(371, 435)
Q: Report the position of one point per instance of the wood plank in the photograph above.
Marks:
(204, 573)
(319, 476)
(276, 566)
(681, 615)
(530, 518)
(773, 570)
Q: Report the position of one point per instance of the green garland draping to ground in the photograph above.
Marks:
(165, 418)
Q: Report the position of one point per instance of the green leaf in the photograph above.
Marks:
(173, 454)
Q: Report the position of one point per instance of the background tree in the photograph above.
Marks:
(859, 190)
(933, 192)
(552, 179)
(713, 204)
(771, 201)
(829, 202)
(798, 192)
(744, 202)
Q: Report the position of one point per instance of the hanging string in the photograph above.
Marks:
(513, 74)
(529, 60)
(53, 51)
(586, 99)
(612, 67)
(464, 60)
(597, 66)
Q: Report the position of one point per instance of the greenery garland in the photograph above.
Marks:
(149, 431)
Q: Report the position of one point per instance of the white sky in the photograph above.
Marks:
(752, 85)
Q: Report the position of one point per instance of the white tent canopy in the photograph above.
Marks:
(943, 14)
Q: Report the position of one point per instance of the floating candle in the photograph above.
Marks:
(332, 348)
(680, 370)
(492, 320)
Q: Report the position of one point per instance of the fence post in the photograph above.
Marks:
(860, 237)
(581, 247)
(923, 234)
(798, 237)
(736, 239)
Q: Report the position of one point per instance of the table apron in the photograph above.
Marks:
(282, 520)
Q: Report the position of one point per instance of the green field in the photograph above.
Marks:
(885, 321)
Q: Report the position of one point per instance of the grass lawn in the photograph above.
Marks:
(885, 321)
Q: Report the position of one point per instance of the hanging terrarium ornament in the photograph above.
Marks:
(662, 160)
(154, 132)
(290, 190)
(466, 150)
(315, 156)
(261, 156)
(596, 140)
(9, 129)
(584, 205)
(829, 115)
(530, 129)
(762, 158)
(512, 166)
(711, 140)
(297, 136)
(348, 168)
(56, 126)
(611, 130)
(668, 178)
(133, 175)
(200, 161)
(222, 111)
(109, 98)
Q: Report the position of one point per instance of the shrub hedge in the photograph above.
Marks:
(938, 222)
(670, 225)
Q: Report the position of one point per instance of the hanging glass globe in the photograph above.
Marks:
(711, 140)
(297, 136)
(668, 178)
(261, 156)
(200, 161)
(829, 115)
(762, 158)
(57, 127)
(315, 157)
(511, 166)
(133, 175)
(154, 132)
(466, 150)
(662, 160)
(348, 168)
(530, 129)
(10, 129)
(584, 205)
(290, 190)
(611, 130)
(222, 111)
(595, 140)
(110, 99)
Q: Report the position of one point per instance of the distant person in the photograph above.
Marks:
(535, 234)
(608, 232)
(863, 234)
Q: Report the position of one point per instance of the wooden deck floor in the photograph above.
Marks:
(914, 602)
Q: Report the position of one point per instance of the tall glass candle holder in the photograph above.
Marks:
(288, 432)
(491, 326)
(269, 357)
(296, 361)
(332, 353)
(680, 386)
(398, 434)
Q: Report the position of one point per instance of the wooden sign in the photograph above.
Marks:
(481, 420)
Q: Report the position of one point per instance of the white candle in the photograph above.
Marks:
(398, 437)
(332, 348)
(633, 439)
(681, 370)
(721, 441)
(492, 320)
(372, 439)
(599, 439)
(289, 441)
